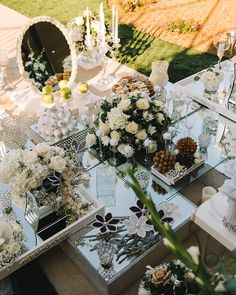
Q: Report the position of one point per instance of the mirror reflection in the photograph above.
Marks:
(46, 55)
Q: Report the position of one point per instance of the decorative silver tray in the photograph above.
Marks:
(173, 180)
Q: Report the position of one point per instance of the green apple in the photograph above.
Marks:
(48, 89)
(65, 93)
(82, 87)
(63, 84)
(48, 99)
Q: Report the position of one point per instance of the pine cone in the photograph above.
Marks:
(164, 161)
(185, 158)
(186, 144)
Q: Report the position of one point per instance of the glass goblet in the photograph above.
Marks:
(222, 44)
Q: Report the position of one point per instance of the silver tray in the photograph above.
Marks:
(172, 181)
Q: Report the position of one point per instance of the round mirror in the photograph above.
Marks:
(46, 55)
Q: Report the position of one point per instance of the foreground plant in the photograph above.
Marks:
(217, 283)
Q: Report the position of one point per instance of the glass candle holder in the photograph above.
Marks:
(14, 137)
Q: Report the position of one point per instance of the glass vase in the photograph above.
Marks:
(159, 74)
(106, 252)
(211, 88)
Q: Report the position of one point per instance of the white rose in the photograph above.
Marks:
(116, 119)
(96, 26)
(105, 140)
(124, 104)
(120, 148)
(18, 201)
(128, 151)
(194, 253)
(115, 135)
(158, 103)
(152, 147)
(30, 157)
(141, 134)
(58, 164)
(142, 104)
(104, 128)
(76, 35)
(132, 127)
(42, 148)
(14, 249)
(160, 118)
(91, 139)
(16, 227)
(113, 142)
(151, 129)
(79, 21)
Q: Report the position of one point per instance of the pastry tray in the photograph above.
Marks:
(174, 180)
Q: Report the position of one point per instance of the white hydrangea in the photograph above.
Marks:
(116, 119)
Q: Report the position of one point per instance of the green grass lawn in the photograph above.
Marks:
(138, 50)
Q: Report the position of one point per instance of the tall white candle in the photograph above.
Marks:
(102, 23)
(113, 21)
(116, 27)
(88, 29)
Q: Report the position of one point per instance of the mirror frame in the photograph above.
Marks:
(65, 33)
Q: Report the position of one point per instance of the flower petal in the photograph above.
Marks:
(141, 232)
(112, 228)
(97, 224)
(108, 217)
(131, 230)
(100, 218)
(114, 221)
(103, 229)
(134, 209)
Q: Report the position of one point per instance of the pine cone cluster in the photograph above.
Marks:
(185, 159)
(164, 161)
(187, 147)
(186, 144)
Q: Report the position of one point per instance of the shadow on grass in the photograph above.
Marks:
(186, 63)
(138, 50)
(133, 43)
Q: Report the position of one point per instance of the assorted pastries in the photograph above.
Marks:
(53, 80)
(133, 84)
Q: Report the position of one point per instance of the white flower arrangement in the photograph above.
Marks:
(24, 170)
(168, 278)
(11, 242)
(128, 122)
(78, 29)
(211, 78)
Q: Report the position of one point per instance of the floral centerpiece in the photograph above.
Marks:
(78, 31)
(169, 278)
(211, 78)
(11, 242)
(131, 123)
(44, 168)
(25, 170)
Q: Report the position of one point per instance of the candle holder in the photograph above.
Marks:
(4, 60)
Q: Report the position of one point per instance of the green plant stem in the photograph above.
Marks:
(175, 245)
